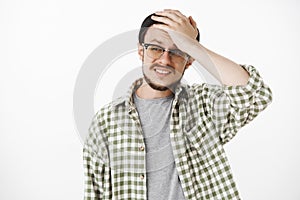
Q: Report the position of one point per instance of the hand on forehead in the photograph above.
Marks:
(159, 37)
(174, 20)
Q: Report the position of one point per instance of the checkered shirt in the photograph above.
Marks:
(203, 118)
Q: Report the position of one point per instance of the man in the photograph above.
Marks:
(164, 140)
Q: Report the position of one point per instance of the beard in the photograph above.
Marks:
(157, 86)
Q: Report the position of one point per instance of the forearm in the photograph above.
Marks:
(226, 71)
(230, 73)
(183, 31)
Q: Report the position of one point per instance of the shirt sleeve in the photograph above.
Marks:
(232, 107)
(96, 170)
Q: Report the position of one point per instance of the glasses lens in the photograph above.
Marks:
(154, 51)
(177, 55)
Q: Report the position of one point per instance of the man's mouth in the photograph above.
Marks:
(162, 71)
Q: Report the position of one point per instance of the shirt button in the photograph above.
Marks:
(142, 148)
(142, 176)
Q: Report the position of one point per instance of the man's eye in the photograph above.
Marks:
(177, 52)
(155, 49)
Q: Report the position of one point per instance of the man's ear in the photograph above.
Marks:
(189, 62)
(141, 51)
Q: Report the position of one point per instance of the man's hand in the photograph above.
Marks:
(174, 20)
(183, 31)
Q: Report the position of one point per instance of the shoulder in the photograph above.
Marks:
(108, 109)
(203, 90)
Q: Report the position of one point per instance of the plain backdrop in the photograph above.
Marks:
(43, 45)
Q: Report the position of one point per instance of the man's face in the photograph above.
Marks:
(162, 69)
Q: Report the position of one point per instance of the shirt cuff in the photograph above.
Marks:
(242, 95)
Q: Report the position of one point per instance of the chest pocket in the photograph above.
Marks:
(202, 143)
(126, 152)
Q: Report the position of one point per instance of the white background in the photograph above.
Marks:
(44, 43)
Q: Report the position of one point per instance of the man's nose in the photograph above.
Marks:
(165, 58)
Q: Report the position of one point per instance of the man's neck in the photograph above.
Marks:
(146, 92)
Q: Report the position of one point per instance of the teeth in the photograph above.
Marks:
(162, 71)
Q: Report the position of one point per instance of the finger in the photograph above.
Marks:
(161, 26)
(168, 29)
(176, 20)
(163, 19)
(176, 16)
(192, 21)
(170, 15)
(177, 12)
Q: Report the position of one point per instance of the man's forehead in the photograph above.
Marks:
(158, 36)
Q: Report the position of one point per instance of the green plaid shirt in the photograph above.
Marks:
(204, 117)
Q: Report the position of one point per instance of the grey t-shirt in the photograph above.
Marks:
(162, 178)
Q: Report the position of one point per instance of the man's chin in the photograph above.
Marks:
(158, 87)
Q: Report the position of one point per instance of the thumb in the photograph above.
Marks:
(192, 21)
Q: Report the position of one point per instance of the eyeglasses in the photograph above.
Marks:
(156, 51)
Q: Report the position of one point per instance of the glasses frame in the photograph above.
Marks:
(172, 51)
